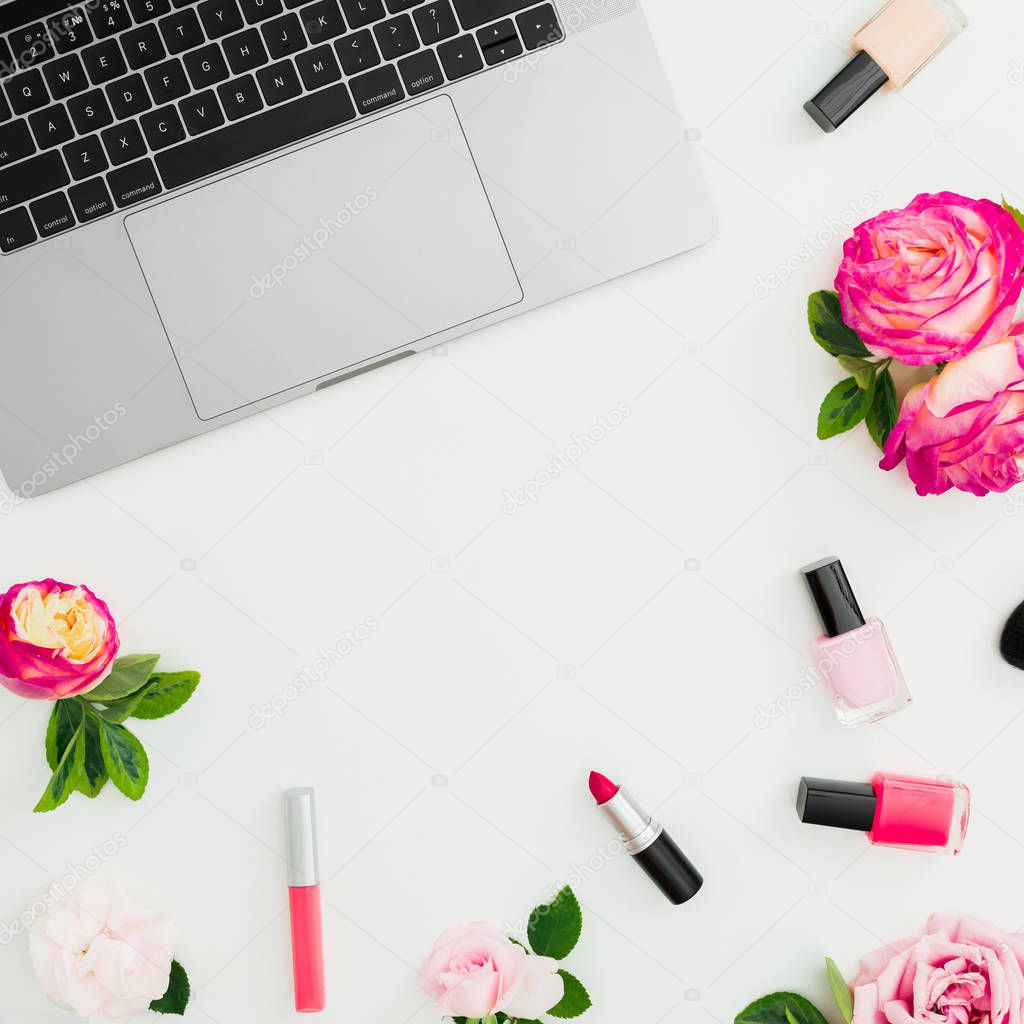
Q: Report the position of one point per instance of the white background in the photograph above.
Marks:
(632, 618)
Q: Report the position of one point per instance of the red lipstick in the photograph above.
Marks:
(304, 900)
(646, 841)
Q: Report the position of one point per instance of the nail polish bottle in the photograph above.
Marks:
(890, 49)
(854, 656)
(894, 810)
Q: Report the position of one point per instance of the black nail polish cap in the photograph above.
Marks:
(833, 596)
(852, 87)
(838, 804)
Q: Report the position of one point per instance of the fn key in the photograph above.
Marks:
(16, 230)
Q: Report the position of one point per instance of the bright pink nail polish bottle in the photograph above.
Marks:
(894, 810)
(854, 656)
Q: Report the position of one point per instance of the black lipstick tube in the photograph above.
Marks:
(647, 842)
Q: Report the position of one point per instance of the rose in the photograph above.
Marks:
(473, 971)
(56, 640)
(965, 427)
(934, 281)
(101, 954)
(961, 970)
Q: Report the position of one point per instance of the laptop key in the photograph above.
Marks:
(498, 53)
(396, 37)
(437, 22)
(32, 178)
(16, 230)
(474, 13)
(397, 6)
(134, 183)
(90, 112)
(90, 200)
(240, 98)
(31, 45)
(201, 112)
(128, 97)
(147, 10)
(206, 66)
(52, 214)
(27, 91)
(322, 21)
(143, 47)
(318, 67)
(494, 34)
(220, 17)
(15, 142)
(65, 76)
(70, 31)
(377, 89)
(284, 36)
(256, 11)
(104, 62)
(421, 72)
(540, 27)
(5, 109)
(123, 142)
(85, 157)
(460, 57)
(279, 82)
(162, 127)
(360, 13)
(181, 31)
(357, 52)
(108, 17)
(51, 127)
(167, 82)
(245, 51)
(256, 136)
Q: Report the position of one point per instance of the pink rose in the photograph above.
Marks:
(931, 283)
(473, 971)
(965, 427)
(56, 640)
(101, 954)
(960, 970)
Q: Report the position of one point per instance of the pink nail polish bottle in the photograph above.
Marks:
(854, 656)
(894, 810)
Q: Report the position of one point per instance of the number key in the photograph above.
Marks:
(70, 31)
(109, 17)
(147, 10)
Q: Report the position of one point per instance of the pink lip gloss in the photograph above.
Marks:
(894, 810)
(304, 900)
(854, 655)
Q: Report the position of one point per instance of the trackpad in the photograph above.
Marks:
(347, 251)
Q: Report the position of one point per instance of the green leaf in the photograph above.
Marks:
(885, 409)
(575, 1001)
(781, 1008)
(862, 370)
(844, 407)
(65, 775)
(94, 772)
(825, 319)
(64, 720)
(840, 989)
(555, 927)
(1014, 213)
(128, 675)
(165, 693)
(175, 999)
(124, 758)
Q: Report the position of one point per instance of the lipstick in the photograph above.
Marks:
(646, 841)
(304, 900)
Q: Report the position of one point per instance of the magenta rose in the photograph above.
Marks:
(965, 427)
(933, 282)
(473, 972)
(961, 971)
(56, 640)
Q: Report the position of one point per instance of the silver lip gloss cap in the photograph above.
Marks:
(300, 837)
(635, 826)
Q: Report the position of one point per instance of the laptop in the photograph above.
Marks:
(209, 207)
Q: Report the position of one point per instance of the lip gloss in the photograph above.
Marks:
(894, 810)
(304, 900)
(646, 841)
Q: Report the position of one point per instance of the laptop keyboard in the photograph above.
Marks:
(111, 102)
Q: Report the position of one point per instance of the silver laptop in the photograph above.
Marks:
(208, 208)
